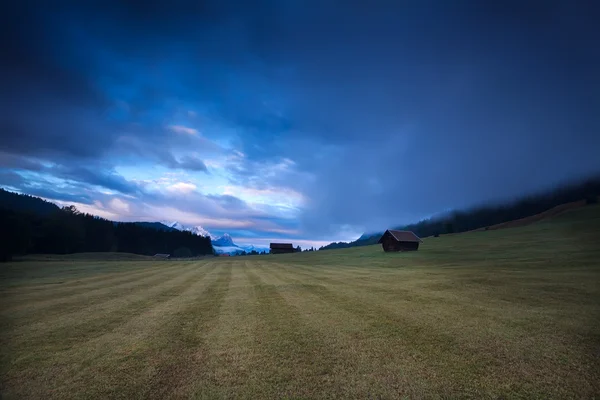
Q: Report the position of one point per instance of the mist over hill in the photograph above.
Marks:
(491, 214)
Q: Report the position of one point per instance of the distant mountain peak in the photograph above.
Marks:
(196, 230)
(224, 240)
(222, 244)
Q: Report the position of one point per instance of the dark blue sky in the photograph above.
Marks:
(312, 121)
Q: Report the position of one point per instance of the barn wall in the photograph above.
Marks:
(281, 251)
(409, 246)
(390, 244)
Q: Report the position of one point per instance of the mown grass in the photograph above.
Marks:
(510, 313)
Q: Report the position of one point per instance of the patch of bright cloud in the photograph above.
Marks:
(190, 218)
(183, 129)
(272, 196)
(182, 187)
(97, 208)
(120, 206)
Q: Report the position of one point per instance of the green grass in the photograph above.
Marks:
(510, 313)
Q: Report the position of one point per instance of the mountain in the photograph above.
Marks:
(224, 240)
(222, 245)
(225, 245)
(231, 250)
(258, 249)
(200, 231)
(237, 249)
(196, 230)
(155, 225)
(174, 225)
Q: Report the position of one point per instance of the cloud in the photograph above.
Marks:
(182, 187)
(120, 206)
(59, 195)
(8, 160)
(314, 128)
(100, 177)
(190, 163)
(183, 129)
(11, 179)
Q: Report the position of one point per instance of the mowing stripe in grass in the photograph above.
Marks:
(95, 320)
(299, 363)
(439, 350)
(55, 274)
(28, 320)
(73, 281)
(232, 358)
(180, 357)
(387, 288)
(411, 351)
(88, 363)
(90, 292)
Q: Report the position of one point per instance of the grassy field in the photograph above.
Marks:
(511, 313)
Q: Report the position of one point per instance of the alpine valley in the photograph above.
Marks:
(221, 244)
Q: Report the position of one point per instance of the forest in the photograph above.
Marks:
(30, 225)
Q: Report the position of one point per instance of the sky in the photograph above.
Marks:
(309, 121)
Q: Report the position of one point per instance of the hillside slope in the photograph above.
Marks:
(550, 239)
(526, 209)
(553, 212)
(26, 203)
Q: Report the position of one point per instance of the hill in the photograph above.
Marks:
(567, 242)
(155, 225)
(496, 215)
(26, 203)
(29, 225)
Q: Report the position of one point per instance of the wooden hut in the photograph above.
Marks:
(281, 248)
(393, 240)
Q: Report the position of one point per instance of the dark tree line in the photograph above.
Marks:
(251, 253)
(488, 215)
(26, 230)
(27, 203)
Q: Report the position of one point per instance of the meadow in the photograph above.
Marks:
(511, 313)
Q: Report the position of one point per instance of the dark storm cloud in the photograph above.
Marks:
(99, 177)
(11, 179)
(191, 163)
(60, 195)
(230, 202)
(13, 161)
(55, 103)
(391, 112)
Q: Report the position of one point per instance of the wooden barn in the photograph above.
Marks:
(281, 248)
(393, 240)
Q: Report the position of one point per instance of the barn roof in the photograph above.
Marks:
(281, 246)
(402, 236)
